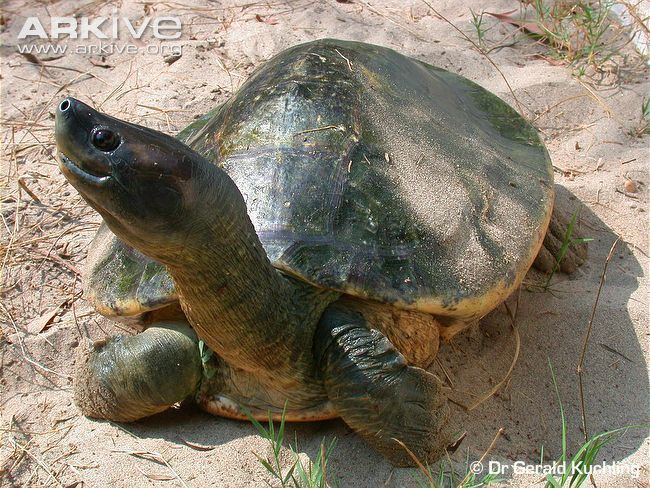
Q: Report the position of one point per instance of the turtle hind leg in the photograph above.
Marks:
(377, 393)
(562, 228)
(125, 378)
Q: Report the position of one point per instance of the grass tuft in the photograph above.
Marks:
(297, 475)
(479, 26)
(313, 474)
(577, 469)
(584, 34)
(643, 129)
(575, 30)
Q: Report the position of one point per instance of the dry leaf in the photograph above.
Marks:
(39, 324)
(549, 60)
(157, 477)
(101, 64)
(268, 20)
(453, 447)
(197, 447)
(531, 27)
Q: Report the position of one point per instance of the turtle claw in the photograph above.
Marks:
(400, 410)
(556, 236)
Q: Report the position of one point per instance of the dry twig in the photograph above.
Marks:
(580, 366)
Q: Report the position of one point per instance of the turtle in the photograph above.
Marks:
(301, 250)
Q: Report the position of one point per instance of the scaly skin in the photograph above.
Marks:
(377, 393)
(126, 378)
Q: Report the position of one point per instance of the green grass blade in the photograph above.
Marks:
(562, 417)
(551, 482)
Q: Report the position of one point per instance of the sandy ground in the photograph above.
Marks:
(46, 228)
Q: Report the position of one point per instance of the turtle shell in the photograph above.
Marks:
(374, 174)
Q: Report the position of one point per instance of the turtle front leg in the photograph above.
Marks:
(377, 393)
(556, 235)
(125, 378)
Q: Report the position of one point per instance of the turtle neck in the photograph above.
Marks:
(250, 314)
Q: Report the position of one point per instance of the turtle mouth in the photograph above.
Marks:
(75, 172)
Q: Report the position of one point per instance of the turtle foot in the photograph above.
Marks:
(392, 405)
(125, 378)
(564, 248)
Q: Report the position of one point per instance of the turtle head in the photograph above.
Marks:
(146, 185)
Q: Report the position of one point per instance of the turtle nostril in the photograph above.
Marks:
(65, 105)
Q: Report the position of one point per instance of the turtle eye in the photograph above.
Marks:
(105, 140)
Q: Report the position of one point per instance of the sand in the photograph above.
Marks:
(588, 125)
